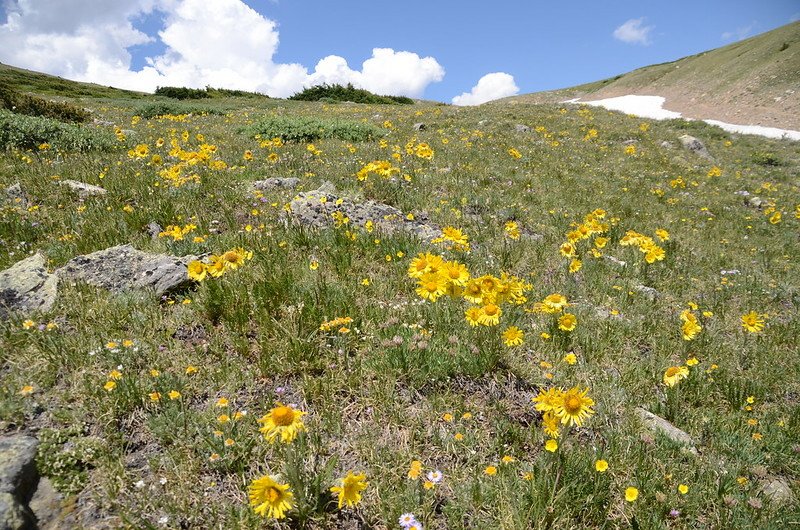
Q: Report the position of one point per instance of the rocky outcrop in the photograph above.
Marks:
(316, 209)
(123, 268)
(288, 183)
(82, 189)
(660, 426)
(27, 286)
(16, 196)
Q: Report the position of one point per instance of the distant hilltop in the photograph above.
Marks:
(755, 81)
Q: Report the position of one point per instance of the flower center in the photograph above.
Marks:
(283, 416)
(490, 310)
(672, 371)
(273, 494)
(431, 286)
(572, 404)
(231, 256)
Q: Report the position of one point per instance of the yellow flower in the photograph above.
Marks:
(570, 359)
(674, 374)
(683, 489)
(222, 402)
(350, 490)
(109, 386)
(513, 336)
(574, 406)
(575, 265)
(753, 322)
(415, 469)
(269, 498)
(283, 421)
(490, 315)
(26, 390)
(313, 265)
(155, 396)
(567, 322)
(174, 394)
(692, 361)
(490, 470)
(28, 324)
(507, 459)
(197, 270)
(631, 494)
(548, 399)
(191, 369)
(550, 424)
(551, 445)
(601, 466)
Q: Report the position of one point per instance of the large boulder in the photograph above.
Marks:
(316, 208)
(18, 481)
(27, 286)
(123, 268)
(695, 146)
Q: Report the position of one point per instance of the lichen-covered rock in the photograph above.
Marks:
(316, 208)
(18, 481)
(776, 489)
(15, 196)
(695, 146)
(419, 126)
(83, 190)
(123, 268)
(27, 286)
(288, 183)
(522, 128)
(648, 292)
(659, 425)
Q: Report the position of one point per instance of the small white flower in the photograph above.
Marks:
(407, 519)
(162, 480)
(163, 520)
(435, 476)
(139, 485)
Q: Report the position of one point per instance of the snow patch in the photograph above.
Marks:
(653, 107)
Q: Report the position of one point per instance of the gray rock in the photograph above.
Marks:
(419, 126)
(153, 228)
(615, 261)
(18, 481)
(14, 515)
(315, 209)
(288, 183)
(522, 128)
(27, 286)
(667, 145)
(84, 190)
(776, 489)
(16, 196)
(695, 146)
(661, 426)
(754, 201)
(648, 292)
(123, 268)
(46, 506)
(631, 141)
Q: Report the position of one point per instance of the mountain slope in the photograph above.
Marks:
(45, 84)
(754, 81)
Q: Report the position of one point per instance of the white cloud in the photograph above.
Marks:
(491, 86)
(633, 32)
(222, 43)
(740, 33)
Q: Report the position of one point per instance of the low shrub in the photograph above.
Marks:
(163, 108)
(347, 93)
(29, 132)
(181, 92)
(29, 105)
(306, 129)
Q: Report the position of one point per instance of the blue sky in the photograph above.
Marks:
(543, 45)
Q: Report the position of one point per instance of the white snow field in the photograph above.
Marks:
(653, 107)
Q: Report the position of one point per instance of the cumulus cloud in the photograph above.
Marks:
(222, 43)
(491, 86)
(634, 32)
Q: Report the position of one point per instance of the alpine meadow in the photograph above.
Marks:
(225, 310)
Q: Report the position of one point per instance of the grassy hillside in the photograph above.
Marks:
(166, 412)
(39, 83)
(754, 81)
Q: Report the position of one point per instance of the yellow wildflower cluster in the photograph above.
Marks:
(590, 230)
(423, 150)
(437, 277)
(560, 407)
(453, 239)
(177, 232)
(647, 246)
(340, 322)
(140, 151)
(382, 168)
(216, 266)
(511, 230)
(555, 304)
(674, 374)
(182, 171)
(691, 326)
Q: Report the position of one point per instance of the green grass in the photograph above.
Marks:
(411, 380)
